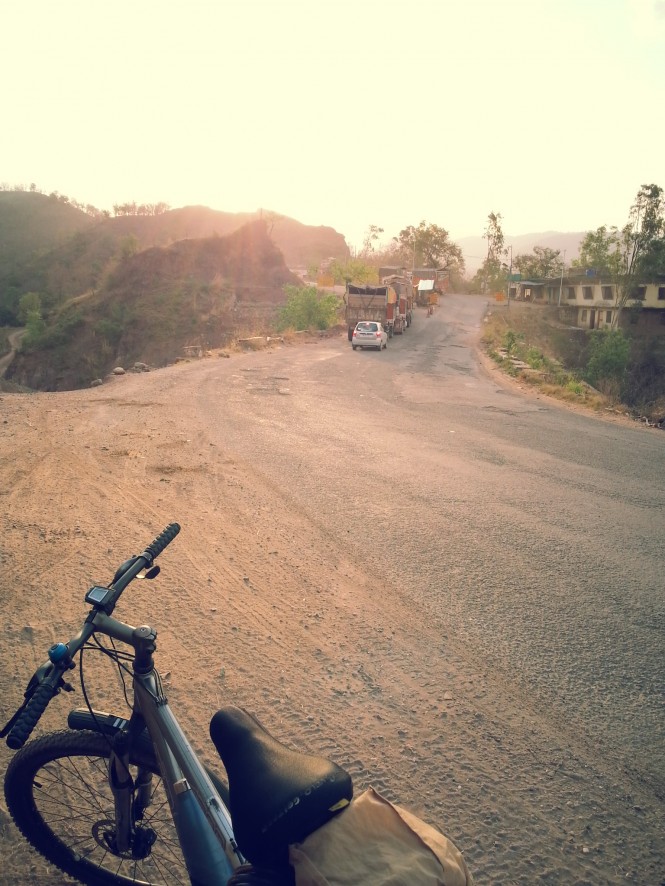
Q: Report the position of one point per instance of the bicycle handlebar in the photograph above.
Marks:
(29, 715)
(163, 539)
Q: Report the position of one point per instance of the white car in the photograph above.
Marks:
(369, 334)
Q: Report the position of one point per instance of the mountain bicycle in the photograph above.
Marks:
(114, 800)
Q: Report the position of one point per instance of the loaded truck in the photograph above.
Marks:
(426, 294)
(390, 304)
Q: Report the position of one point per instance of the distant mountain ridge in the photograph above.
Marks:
(475, 248)
(34, 221)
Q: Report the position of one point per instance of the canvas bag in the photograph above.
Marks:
(375, 843)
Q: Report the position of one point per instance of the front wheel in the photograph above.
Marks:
(57, 792)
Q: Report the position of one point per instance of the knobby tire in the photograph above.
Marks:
(57, 792)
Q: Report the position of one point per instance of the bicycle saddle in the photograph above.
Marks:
(277, 796)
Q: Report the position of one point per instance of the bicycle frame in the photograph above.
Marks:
(283, 795)
(202, 821)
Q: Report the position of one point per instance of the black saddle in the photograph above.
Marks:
(277, 796)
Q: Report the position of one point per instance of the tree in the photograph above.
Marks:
(543, 262)
(608, 252)
(352, 270)
(29, 302)
(371, 236)
(599, 251)
(129, 246)
(494, 235)
(35, 327)
(134, 208)
(631, 256)
(648, 214)
(492, 272)
(428, 246)
(271, 219)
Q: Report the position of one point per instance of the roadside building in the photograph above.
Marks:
(588, 301)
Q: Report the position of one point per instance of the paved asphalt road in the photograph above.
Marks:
(538, 532)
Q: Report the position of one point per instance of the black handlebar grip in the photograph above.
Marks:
(162, 540)
(30, 717)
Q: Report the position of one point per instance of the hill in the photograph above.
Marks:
(57, 250)
(475, 248)
(32, 227)
(302, 245)
(32, 222)
(154, 304)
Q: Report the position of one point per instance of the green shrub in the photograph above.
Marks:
(609, 351)
(110, 330)
(305, 308)
(535, 358)
(35, 327)
(29, 302)
(58, 334)
(510, 340)
(513, 340)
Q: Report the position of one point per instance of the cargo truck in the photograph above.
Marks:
(390, 304)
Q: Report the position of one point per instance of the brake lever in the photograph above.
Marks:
(153, 572)
(38, 677)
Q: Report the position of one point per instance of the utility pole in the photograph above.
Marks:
(563, 265)
(510, 273)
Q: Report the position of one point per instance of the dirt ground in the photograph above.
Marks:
(255, 605)
(252, 607)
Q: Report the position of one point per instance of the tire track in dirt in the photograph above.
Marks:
(260, 604)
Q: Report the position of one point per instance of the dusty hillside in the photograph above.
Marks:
(302, 245)
(56, 249)
(195, 292)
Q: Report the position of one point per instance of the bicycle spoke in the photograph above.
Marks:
(74, 801)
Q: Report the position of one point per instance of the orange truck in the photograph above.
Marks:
(390, 304)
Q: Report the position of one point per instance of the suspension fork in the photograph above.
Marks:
(131, 798)
(122, 788)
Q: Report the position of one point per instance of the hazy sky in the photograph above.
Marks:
(341, 112)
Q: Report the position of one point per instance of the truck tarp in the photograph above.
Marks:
(367, 290)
